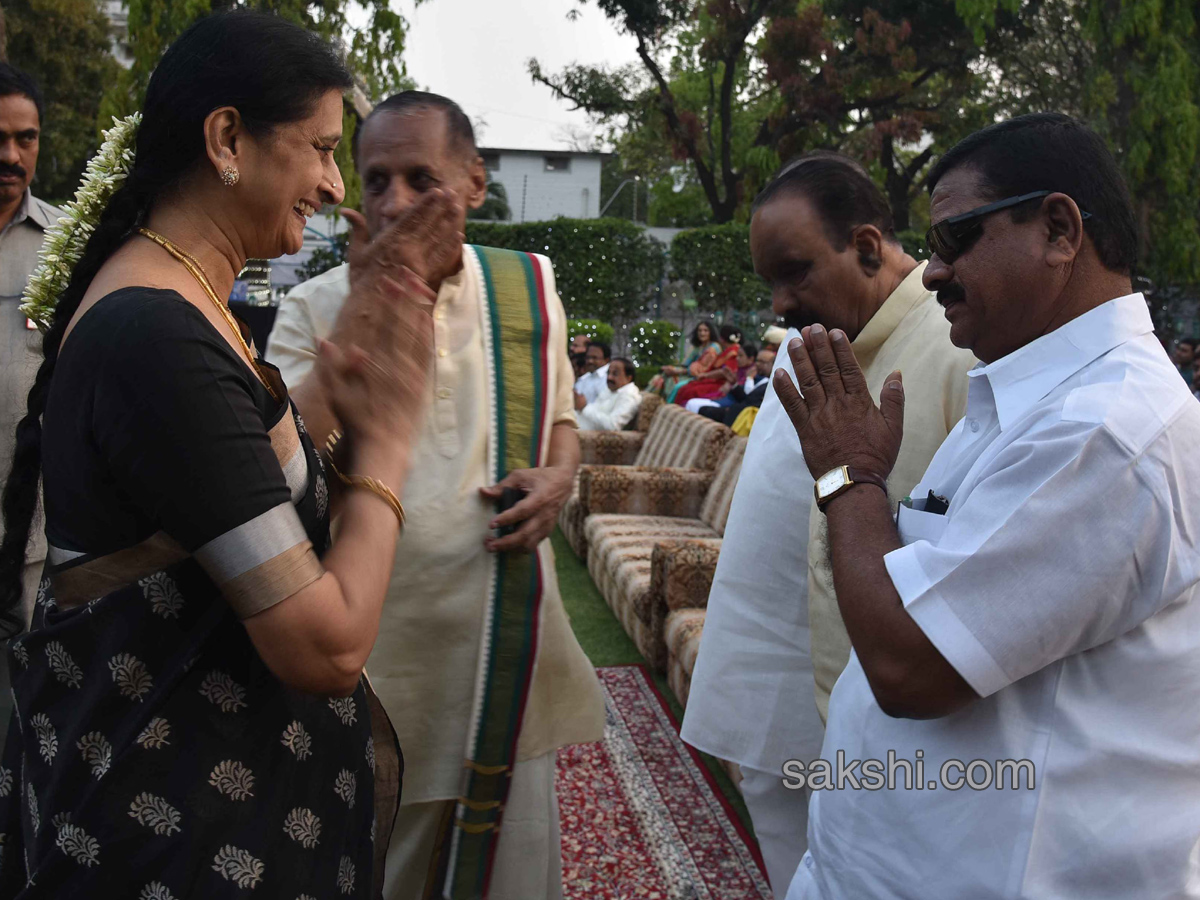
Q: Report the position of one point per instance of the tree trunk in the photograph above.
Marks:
(3, 37)
(895, 185)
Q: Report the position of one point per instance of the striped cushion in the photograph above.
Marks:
(714, 512)
(651, 404)
(683, 630)
(610, 448)
(619, 555)
(684, 440)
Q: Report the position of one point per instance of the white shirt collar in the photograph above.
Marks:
(1029, 373)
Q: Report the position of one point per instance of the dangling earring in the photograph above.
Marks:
(230, 176)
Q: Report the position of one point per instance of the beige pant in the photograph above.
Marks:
(780, 819)
(528, 859)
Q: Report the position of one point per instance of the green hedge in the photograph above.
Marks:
(653, 344)
(716, 262)
(604, 268)
(592, 329)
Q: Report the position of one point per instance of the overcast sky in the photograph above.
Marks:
(475, 52)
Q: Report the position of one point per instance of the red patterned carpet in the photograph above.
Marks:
(641, 818)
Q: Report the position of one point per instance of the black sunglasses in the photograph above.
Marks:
(952, 237)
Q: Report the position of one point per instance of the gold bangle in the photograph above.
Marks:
(331, 443)
(376, 487)
(364, 482)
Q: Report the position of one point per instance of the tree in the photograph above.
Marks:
(64, 45)
(1131, 70)
(736, 86)
(694, 73)
(373, 51)
(1147, 104)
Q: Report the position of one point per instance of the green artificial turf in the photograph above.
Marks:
(606, 644)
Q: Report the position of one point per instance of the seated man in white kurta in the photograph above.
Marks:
(616, 407)
(426, 666)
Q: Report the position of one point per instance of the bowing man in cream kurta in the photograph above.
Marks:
(820, 236)
(426, 656)
(909, 333)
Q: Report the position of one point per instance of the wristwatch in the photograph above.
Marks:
(838, 481)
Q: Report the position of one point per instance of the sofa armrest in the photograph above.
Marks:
(610, 448)
(681, 572)
(643, 491)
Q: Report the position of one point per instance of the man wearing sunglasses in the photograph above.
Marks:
(1027, 624)
(821, 236)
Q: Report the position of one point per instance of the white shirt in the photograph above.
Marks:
(753, 382)
(1062, 584)
(757, 620)
(612, 410)
(592, 384)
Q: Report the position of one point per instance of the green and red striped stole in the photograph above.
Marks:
(517, 342)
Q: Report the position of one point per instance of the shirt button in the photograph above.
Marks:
(439, 314)
(444, 394)
(442, 351)
(974, 424)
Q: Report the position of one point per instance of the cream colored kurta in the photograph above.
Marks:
(425, 659)
(909, 333)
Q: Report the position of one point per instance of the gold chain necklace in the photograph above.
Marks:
(197, 271)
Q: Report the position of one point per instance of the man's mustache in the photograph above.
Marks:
(11, 169)
(951, 293)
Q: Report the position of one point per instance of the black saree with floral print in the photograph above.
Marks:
(151, 753)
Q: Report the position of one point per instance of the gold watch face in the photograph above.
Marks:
(831, 481)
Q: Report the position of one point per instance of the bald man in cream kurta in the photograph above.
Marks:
(909, 333)
(425, 659)
(773, 627)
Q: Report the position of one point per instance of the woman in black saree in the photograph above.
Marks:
(190, 715)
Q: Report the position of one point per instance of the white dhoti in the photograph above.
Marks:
(528, 859)
(780, 818)
(751, 699)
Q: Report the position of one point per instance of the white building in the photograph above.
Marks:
(542, 184)
(118, 20)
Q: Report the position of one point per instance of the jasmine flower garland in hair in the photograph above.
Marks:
(64, 242)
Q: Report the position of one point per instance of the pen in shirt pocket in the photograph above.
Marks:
(934, 503)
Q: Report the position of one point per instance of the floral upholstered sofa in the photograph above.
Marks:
(688, 444)
(682, 631)
(620, 448)
(653, 545)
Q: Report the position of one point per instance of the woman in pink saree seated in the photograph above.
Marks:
(708, 383)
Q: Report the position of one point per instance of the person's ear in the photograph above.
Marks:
(1062, 224)
(477, 183)
(224, 133)
(868, 244)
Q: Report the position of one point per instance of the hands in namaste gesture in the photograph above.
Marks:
(834, 416)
